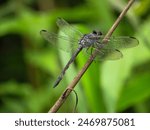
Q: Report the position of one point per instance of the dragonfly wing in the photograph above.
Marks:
(120, 42)
(109, 54)
(68, 30)
(64, 43)
(105, 54)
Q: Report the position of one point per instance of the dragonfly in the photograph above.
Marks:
(75, 40)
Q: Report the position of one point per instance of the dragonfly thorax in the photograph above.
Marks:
(89, 39)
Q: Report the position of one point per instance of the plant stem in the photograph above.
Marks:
(71, 86)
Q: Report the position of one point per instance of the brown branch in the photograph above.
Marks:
(71, 86)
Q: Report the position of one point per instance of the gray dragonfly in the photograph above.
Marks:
(75, 40)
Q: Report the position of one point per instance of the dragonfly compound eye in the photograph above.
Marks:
(94, 32)
(99, 33)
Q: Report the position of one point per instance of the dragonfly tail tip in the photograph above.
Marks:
(55, 85)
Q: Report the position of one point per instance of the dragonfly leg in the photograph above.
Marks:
(99, 45)
(91, 51)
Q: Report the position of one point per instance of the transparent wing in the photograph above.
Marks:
(120, 42)
(68, 30)
(105, 54)
(65, 44)
(109, 50)
(109, 54)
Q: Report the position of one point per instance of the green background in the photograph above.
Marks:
(29, 65)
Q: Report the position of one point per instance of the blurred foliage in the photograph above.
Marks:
(29, 66)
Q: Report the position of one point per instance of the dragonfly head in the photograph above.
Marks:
(98, 33)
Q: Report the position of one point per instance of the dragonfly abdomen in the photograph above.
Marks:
(67, 66)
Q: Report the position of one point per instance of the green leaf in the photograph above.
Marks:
(136, 90)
